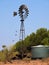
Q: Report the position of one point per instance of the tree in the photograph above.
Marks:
(45, 41)
(40, 37)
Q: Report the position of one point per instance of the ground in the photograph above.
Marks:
(28, 62)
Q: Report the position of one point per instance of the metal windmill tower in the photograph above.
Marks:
(23, 13)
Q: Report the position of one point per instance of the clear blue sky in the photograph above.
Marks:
(38, 17)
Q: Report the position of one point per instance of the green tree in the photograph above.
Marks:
(40, 37)
(45, 41)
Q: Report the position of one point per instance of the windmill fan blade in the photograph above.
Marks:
(14, 13)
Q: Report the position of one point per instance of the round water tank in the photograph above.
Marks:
(40, 51)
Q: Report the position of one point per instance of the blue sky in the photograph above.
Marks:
(38, 17)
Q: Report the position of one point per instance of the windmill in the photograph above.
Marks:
(23, 13)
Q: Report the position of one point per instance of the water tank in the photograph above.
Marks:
(40, 51)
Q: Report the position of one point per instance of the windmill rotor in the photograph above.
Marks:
(23, 12)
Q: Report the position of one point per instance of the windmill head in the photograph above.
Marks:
(23, 11)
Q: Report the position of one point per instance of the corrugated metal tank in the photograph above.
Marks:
(40, 51)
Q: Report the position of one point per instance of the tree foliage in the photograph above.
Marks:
(40, 37)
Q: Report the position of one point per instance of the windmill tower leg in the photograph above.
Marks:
(22, 31)
(22, 36)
